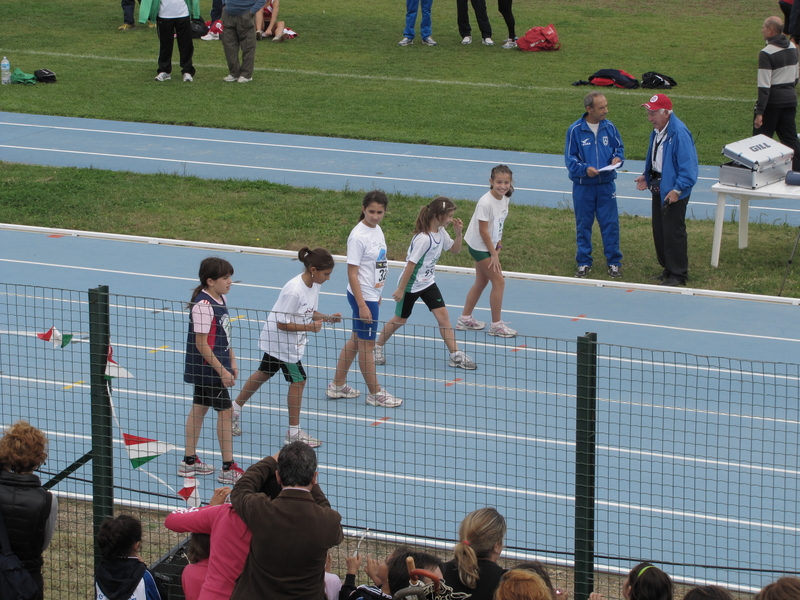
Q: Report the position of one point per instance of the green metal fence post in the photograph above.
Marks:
(102, 430)
(585, 432)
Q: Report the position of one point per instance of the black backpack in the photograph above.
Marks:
(656, 81)
(16, 582)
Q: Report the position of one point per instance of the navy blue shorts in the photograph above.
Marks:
(364, 331)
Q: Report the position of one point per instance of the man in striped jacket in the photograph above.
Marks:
(776, 107)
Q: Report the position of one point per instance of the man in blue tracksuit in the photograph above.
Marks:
(670, 173)
(593, 143)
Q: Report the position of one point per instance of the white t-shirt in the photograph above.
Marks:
(494, 212)
(425, 250)
(296, 303)
(366, 248)
(173, 9)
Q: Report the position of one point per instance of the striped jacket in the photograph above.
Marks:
(777, 74)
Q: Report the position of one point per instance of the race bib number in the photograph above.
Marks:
(381, 271)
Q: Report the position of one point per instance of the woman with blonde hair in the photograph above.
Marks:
(522, 584)
(28, 510)
(474, 570)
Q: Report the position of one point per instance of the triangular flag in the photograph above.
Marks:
(56, 337)
(190, 492)
(114, 370)
(142, 450)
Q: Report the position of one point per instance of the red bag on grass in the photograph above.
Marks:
(539, 38)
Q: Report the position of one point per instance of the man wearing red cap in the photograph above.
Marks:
(670, 174)
(776, 107)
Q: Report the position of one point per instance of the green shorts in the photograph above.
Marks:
(478, 255)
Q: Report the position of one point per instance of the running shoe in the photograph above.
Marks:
(614, 271)
(244, 79)
(583, 271)
(163, 77)
(378, 355)
(429, 41)
(510, 43)
(469, 323)
(236, 426)
(406, 41)
(126, 27)
(345, 391)
(210, 37)
(230, 476)
(467, 40)
(196, 468)
(384, 399)
(230, 78)
(501, 329)
(488, 42)
(302, 436)
(187, 78)
(462, 360)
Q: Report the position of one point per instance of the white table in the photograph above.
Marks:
(743, 195)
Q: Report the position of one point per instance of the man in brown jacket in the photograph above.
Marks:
(291, 534)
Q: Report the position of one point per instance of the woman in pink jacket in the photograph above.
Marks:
(230, 542)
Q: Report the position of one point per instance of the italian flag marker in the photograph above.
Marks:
(143, 450)
(189, 492)
(113, 370)
(55, 337)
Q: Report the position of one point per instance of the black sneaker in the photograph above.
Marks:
(614, 271)
(583, 271)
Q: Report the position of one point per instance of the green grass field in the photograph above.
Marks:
(345, 76)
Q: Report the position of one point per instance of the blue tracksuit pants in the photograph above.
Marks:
(596, 201)
(412, 7)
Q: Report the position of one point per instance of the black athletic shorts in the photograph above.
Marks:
(292, 372)
(215, 396)
(431, 296)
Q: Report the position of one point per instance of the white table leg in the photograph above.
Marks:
(744, 220)
(719, 217)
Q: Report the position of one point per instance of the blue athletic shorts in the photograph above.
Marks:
(364, 331)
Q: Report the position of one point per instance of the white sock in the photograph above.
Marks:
(498, 323)
(453, 354)
(294, 430)
(237, 409)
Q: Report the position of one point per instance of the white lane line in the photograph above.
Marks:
(525, 313)
(495, 489)
(375, 77)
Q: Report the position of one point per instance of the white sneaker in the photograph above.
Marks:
(378, 355)
(187, 77)
(163, 77)
(462, 360)
(236, 426)
(210, 37)
(488, 42)
(384, 399)
(230, 78)
(501, 329)
(429, 41)
(302, 436)
(405, 41)
(510, 43)
(244, 79)
(345, 391)
(467, 40)
(197, 468)
(469, 323)
(231, 476)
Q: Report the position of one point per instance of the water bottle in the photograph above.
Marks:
(6, 71)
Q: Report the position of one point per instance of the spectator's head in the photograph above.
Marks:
(398, 567)
(772, 26)
(522, 584)
(120, 537)
(786, 588)
(596, 107)
(297, 465)
(536, 567)
(199, 547)
(647, 582)
(481, 536)
(23, 448)
(708, 592)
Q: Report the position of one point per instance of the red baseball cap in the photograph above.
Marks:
(658, 101)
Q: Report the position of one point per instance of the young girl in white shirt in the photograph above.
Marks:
(484, 241)
(367, 266)
(284, 337)
(418, 278)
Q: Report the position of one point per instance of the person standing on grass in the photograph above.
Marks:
(173, 24)
(593, 143)
(412, 7)
(367, 266)
(776, 108)
(484, 241)
(285, 336)
(504, 6)
(479, 6)
(211, 367)
(417, 280)
(670, 173)
(239, 33)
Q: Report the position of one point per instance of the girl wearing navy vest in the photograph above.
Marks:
(211, 367)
